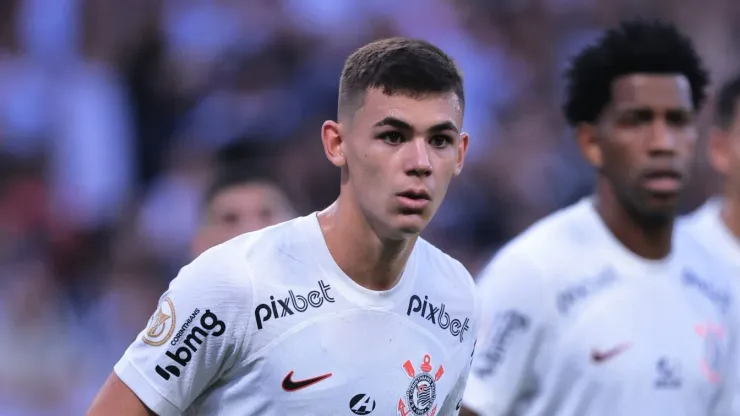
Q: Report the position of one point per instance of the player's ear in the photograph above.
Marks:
(719, 150)
(462, 150)
(331, 137)
(587, 136)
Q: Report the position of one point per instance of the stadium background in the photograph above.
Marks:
(110, 111)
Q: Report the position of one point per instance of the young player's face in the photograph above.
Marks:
(241, 209)
(647, 139)
(724, 153)
(401, 154)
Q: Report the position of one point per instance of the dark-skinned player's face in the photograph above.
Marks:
(398, 156)
(644, 142)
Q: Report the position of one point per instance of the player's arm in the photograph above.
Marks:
(116, 395)
(194, 338)
(513, 302)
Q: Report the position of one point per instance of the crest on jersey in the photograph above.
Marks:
(419, 398)
(161, 324)
(714, 338)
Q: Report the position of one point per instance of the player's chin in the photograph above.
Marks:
(409, 223)
(660, 205)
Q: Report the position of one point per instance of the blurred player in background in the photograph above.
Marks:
(593, 310)
(342, 311)
(240, 198)
(716, 224)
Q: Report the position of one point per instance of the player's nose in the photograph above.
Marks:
(662, 139)
(417, 158)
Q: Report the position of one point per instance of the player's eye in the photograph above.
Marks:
(392, 137)
(265, 214)
(440, 141)
(230, 218)
(636, 117)
(678, 118)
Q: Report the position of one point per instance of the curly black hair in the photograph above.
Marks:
(635, 46)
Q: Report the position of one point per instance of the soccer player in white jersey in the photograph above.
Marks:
(716, 225)
(593, 310)
(345, 311)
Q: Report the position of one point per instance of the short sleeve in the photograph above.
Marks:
(194, 337)
(513, 312)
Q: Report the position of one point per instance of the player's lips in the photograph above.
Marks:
(414, 199)
(663, 181)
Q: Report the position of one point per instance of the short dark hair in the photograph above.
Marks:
(398, 66)
(726, 104)
(239, 163)
(635, 46)
(233, 176)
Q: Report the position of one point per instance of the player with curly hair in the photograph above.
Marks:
(600, 309)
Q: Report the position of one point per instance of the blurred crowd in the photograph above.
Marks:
(111, 112)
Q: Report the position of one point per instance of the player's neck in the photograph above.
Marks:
(648, 239)
(357, 249)
(731, 214)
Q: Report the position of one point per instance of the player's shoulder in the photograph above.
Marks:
(697, 235)
(693, 227)
(553, 240)
(450, 271)
(283, 239)
(448, 284)
(269, 247)
(219, 267)
(698, 242)
(236, 261)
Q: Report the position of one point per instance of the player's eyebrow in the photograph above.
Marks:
(447, 125)
(402, 125)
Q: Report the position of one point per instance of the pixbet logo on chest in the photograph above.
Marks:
(279, 308)
(438, 316)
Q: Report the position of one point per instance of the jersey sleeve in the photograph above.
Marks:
(513, 312)
(193, 338)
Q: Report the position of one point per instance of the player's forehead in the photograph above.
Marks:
(420, 112)
(652, 91)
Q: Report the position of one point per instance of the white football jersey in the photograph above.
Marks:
(267, 324)
(575, 324)
(706, 226)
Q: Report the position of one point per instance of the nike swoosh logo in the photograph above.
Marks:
(601, 356)
(294, 385)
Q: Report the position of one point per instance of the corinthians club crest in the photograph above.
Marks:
(422, 391)
(715, 342)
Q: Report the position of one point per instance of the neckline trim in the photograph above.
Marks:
(348, 287)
